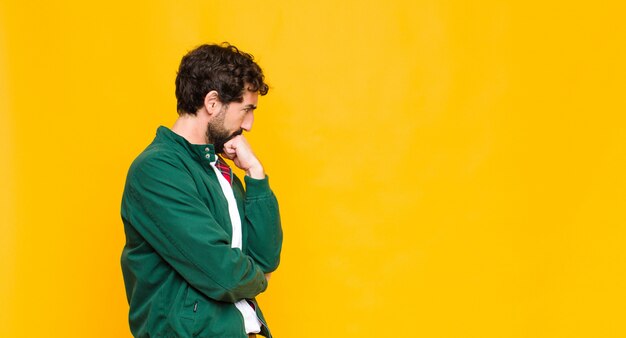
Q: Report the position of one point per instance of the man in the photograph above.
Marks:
(199, 247)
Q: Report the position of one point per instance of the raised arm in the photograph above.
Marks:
(262, 218)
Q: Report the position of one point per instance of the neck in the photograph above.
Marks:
(192, 128)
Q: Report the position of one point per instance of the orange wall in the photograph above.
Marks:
(445, 168)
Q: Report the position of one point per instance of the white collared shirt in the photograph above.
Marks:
(251, 321)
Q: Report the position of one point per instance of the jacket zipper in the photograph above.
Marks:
(256, 307)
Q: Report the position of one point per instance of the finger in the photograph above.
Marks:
(229, 148)
(234, 140)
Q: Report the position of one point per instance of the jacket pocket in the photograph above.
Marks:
(189, 303)
(187, 306)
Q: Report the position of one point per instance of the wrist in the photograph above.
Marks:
(256, 172)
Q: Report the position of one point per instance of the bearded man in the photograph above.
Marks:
(199, 247)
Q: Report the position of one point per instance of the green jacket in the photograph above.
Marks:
(182, 277)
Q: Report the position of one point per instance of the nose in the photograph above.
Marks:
(247, 121)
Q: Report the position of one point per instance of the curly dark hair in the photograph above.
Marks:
(220, 67)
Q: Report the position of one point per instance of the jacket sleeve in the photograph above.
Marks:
(262, 221)
(165, 209)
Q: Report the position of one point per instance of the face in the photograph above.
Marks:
(231, 120)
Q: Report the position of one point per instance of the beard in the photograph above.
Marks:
(217, 134)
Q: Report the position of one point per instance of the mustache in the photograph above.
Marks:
(237, 133)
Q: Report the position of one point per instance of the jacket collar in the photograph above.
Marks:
(203, 153)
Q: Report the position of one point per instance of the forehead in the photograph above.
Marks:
(250, 98)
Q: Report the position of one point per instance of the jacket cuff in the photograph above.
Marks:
(257, 188)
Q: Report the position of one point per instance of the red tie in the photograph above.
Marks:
(225, 170)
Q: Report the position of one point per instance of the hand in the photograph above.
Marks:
(239, 151)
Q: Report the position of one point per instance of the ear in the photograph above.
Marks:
(212, 102)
